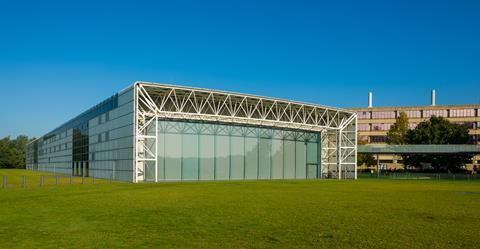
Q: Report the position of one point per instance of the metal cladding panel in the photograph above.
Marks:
(111, 141)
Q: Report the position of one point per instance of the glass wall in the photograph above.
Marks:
(205, 151)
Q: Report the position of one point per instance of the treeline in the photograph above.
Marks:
(12, 152)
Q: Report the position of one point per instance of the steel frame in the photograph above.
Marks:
(159, 101)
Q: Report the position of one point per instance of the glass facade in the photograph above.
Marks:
(80, 150)
(205, 151)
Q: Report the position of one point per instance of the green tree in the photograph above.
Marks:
(12, 152)
(438, 130)
(398, 132)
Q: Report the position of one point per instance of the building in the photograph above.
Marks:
(155, 132)
(375, 122)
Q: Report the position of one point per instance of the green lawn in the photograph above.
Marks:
(277, 214)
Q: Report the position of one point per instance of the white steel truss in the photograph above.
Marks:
(158, 101)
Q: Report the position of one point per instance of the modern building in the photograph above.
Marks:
(156, 132)
(375, 122)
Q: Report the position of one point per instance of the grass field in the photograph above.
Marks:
(366, 213)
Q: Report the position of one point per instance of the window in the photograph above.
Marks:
(107, 137)
(470, 125)
(378, 139)
(390, 114)
(99, 137)
(413, 114)
(363, 138)
(363, 127)
(462, 113)
(363, 115)
(381, 127)
(438, 113)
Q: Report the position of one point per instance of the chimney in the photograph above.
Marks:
(433, 97)
(370, 100)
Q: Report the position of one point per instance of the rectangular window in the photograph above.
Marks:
(413, 114)
(383, 115)
(378, 139)
(470, 125)
(412, 125)
(381, 127)
(462, 113)
(363, 127)
(363, 115)
(437, 113)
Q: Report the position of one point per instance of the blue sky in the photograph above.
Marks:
(58, 58)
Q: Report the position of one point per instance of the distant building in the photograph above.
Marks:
(155, 132)
(375, 122)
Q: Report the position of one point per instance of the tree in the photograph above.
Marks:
(438, 130)
(366, 159)
(398, 132)
(12, 152)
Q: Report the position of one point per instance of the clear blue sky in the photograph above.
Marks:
(58, 58)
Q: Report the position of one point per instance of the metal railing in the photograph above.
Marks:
(11, 182)
(421, 176)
